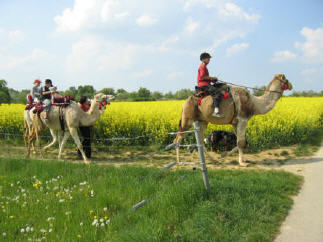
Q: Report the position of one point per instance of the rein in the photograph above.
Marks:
(258, 89)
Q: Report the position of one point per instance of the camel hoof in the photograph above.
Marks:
(87, 162)
(224, 154)
(243, 164)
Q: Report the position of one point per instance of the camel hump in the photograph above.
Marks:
(243, 102)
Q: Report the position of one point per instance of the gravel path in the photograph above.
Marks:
(305, 220)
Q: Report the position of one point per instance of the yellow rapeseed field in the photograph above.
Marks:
(292, 120)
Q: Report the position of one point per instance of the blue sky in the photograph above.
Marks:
(156, 44)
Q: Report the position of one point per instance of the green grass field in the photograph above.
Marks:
(60, 201)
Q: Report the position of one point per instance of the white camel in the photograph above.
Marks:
(74, 117)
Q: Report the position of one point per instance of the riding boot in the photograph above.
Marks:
(216, 112)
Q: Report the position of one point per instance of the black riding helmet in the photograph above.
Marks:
(205, 55)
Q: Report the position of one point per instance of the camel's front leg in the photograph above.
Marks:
(241, 139)
(77, 141)
(52, 132)
(184, 125)
(66, 135)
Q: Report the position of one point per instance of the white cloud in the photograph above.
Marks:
(121, 16)
(236, 49)
(175, 75)
(100, 55)
(35, 58)
(143, 74)
(312, 48)
(308, 71)
(88, 13)
(207, 3)
(168, 43)
(311, 71)
(146, 20)
(191, 26)
(232, 10)
(283, 55)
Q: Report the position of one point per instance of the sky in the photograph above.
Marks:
(156, 44)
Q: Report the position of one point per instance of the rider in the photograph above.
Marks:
(204, 83)
(47, 93)
(36, 91)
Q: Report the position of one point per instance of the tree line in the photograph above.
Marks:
(9, 95)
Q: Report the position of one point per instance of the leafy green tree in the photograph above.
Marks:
(157, 95)
(183, 94)
(108, 91)
(86, 90)
(4, 92)
(169, 95)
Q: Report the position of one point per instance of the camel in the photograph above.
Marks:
(74, 117)
(237, 110)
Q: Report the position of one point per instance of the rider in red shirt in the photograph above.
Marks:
(204, 82)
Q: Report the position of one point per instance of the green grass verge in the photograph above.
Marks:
(60, 202)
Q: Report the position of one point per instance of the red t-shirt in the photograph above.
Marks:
(203, 71)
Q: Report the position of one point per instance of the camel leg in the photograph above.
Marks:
(241, 139)
(30, 139)
(203, 126)
(66, 136)
(52, 132)
(38, 143)
(77, 141)
(184, 125)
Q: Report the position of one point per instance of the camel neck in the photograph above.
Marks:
(266, 102)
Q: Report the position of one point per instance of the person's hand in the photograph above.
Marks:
(52, 92)
(214, 79)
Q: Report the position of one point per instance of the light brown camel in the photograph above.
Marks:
(74, 117)
(237, 110)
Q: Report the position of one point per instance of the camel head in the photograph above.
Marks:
(103, 100)
(282, 81)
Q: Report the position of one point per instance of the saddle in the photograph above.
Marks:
(217, 91)
(39, 107)
(63, 101)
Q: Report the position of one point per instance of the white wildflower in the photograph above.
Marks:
(95, 222)
(92, 193)
(102, 224)
(101, 220)
(50, 230)
(4, 234)
(22, 230)
(81, 224)
(68, 213)
(50, 219)
(31, 229)
(27, 229)
(108, 221)
(105, 209)
(61, 200)
(43, 231)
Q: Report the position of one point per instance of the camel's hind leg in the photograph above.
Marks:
(62, 143)
(77, 141)
(52, 132)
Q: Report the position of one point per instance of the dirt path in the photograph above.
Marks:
(305, 220)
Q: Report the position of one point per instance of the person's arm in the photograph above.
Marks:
(210, 78)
